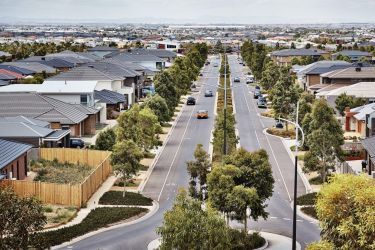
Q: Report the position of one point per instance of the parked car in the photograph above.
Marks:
(279, 124)
(208, 93)
(201, 74)
(77, 143)
(190, 101)
(249, 79)
(216, 65)
(257, 87)
(262, 102)
(202, 114)
(257, 93)
(236, 79)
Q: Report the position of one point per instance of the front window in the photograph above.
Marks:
(84, 99)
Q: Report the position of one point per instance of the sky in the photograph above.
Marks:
(190, 11)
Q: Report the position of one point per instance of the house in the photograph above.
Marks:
(361, 120)
(284, 57)
(59, 114)
(369, 146)
(309, 75)
(354, 55)
(349, 75)
(32, 131)
(102, 51)
(165, 54)
(18, 70)
(10, 76)
(149, 61)
(13, 159)
(114, 102)
(31, 68)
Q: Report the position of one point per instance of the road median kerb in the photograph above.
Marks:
(153, 209)
(303, 215)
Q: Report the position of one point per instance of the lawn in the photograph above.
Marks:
(56, 172)
(57, 215)
(115, 198)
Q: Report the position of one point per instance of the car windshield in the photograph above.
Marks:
(202, 111)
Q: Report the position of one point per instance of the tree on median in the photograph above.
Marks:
(125, 160)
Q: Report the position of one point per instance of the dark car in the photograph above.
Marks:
(279, 124)
(200, 74)
(77, 143)
(236, 79)
(257, 87)
(257, 93)
(262, 102)
(208, 93)
(190, 100)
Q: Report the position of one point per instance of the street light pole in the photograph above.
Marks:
(295, 187)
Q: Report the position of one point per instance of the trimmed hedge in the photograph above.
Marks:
(115, 198)
(97, 218)
(311, 211)
(243, 241)
(307, 199)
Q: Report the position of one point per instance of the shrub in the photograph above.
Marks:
(47, 209)
(282, 133)
(116, 198)
(241, 240)
(310, 210)
(98, 218)
(307, 199)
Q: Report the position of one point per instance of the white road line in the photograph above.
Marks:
(286, 219)
(252, 122)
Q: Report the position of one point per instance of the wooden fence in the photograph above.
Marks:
(67, 194)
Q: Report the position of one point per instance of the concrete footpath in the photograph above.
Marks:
(273, 242)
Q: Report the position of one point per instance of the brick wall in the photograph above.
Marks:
(18, 170)
(89, 125)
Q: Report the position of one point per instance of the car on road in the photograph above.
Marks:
(279, 124)
(262, 102)
(249, 79)
(216, 65)
(208, 93)
(201, 74)
(257, 93)
(207, 63)
(190, 101)
(236, 79)
(77, 143)
(202, 114)
(257, 87)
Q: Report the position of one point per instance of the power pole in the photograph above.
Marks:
(225, 101)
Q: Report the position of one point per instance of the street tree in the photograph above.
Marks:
(159, 106)
(106, 140)
(241, 199)
(325, 137)
(284, 96)
(257, 61)
(270, 76)
(166, 88)
(346, 211)
(20, 219)
(198, 169)
(344, 100)
(125, 160)
(187, 226)
(321, 245)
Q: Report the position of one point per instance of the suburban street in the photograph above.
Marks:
(169, 173)
(250, 126)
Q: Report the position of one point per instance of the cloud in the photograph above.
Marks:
(225, 11)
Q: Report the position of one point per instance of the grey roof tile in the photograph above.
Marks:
(11, 150)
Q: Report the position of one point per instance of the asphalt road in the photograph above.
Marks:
(169, 173)
(250, 127)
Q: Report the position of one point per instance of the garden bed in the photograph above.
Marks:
(307, 199)
(58, 215)
(96, 219)
(310, 211)
(57, 172)
(116, 198)
(282, 133)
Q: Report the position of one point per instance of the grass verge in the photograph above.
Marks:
(307, 199)
(282, 133)
(97, 218)
(115, 198)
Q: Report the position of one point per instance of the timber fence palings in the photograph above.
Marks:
(67, 194)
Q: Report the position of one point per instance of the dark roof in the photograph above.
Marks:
(16, 69)
(9, 129)
(109, 97)
(57, 135)
(57, 63)
(7, 77)
(369, 145)
(86, 110)
(129, 65)
(113, 69)
(298, 52)
(132, 57)
(35, 67)
(103, 48)
(11, 150)
(39, 107)
(85, 73)
(322, 70)
(162, 53)
(24, 119)
(352, 53)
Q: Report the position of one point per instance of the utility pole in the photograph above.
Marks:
(225, 101)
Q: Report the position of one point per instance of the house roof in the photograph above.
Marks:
(19, 70)
(39, 107)
(352, 53)
(361, 89)
(114, 69)
(24, 119)
(3, 83)
(162, 53)
(11, 73)
(24, 88)
(369, 145)
(34, 67)
(87, 110)
(308, 69)
(71, 87)
(57, 63)
(84, 73)
(137, 58)
(362, 111)
(129, 65)
(351, 72)
(57, 135)
(22, 129)
(103, 48)
(298, 52)
(11, 150)
(7, 77)
(109, 97)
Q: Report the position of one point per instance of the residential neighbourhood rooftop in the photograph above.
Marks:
(298, 52)
(11, 150)
(361, 90)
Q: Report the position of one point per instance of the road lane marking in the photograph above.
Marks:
(287, 219)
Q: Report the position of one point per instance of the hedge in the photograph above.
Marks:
(243, 241)
(115, 198)
(307, 199)
(310, 210)
(97, 218)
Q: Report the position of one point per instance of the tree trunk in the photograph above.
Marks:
(286, 126)
(123, 193)
(245, 224)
